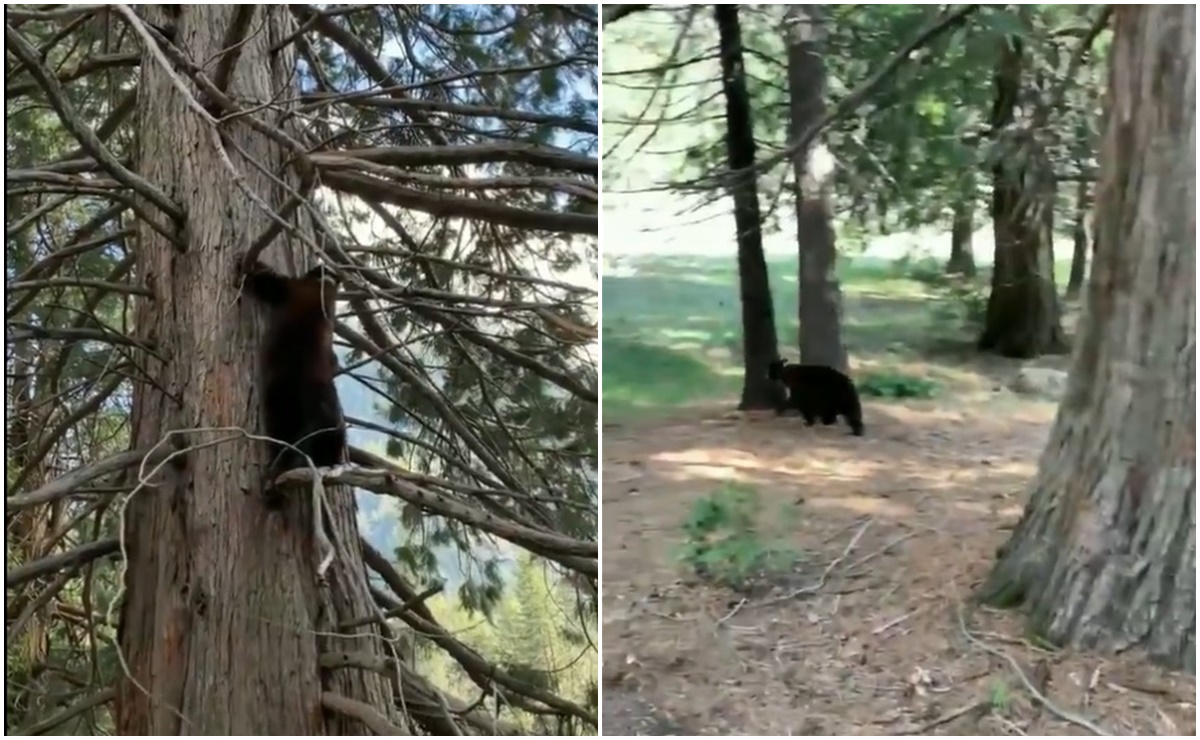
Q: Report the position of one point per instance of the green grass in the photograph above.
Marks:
(672, 331)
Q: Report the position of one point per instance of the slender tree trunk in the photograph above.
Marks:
(223, 622)
(1105, 555)
(1022, 318)
(962, 232)
(759, 341)
(820, 310)
(1079, 235)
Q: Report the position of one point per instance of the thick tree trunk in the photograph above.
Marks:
(1105, 555)
(223, 620)
(1022, 318)
(820, 309)
(759, 341)
(1079, 234)
(962, 232)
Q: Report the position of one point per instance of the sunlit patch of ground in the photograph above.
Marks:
(895, 530)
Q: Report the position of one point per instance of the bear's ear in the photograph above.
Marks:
(267, 285)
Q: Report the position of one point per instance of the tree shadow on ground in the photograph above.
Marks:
(868, 635)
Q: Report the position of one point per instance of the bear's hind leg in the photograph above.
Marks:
(326, 442)
(284, 425)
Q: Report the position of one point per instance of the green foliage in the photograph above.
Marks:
(964, 302)
(896, 385)
(999, 695)
(923, 269)
(724, 542)
(916, 145)
(536, 635)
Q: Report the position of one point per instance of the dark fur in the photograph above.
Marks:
(299, 365)
(818, 392)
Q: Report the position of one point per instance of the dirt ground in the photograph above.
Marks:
(874, 633)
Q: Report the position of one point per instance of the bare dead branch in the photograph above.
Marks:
(364, 713)
(61, 717)
(116, 117)
(65, 485)
(19, 15)
(449, 206)
(549, 544)
(16, 227)
(79, 283)
(28, 331)
(50, 437)
(579, 188)
(83, 69)
(422, 156)
(420, 598)
(43, 598)
(316, 101)
(422, 700)
(77, 557)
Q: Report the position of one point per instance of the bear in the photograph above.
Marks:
(818, 392)
(301, 402)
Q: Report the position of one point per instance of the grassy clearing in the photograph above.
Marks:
(672, 325)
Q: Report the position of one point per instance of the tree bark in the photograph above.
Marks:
(759, 341)
(962, 232)
(820, 310)
(1105, 554)
(223, 619)
(1079, 234)
(1022, 318)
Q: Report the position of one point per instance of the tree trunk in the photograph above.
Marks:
(1022, 318)
(759, 341)
(223, 620)
(1105, 554)
(820, 309)
(1079, 235)
(962, 232)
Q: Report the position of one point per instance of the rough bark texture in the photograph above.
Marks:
(222, 614)
(759, 341)
(1105, 554)
(820, 309)
(1079, 236)
(1022, 318)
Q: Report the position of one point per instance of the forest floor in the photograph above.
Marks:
(873, 630)
(895, 530)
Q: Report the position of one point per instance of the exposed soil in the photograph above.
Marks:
(895, 529)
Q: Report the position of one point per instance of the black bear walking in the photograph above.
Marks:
(818, 392)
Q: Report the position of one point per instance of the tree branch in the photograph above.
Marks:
(81, 555)
(364, 713)
(567, 551)
(860, 93)
(65, 485)
(450, 206)
(83, 133)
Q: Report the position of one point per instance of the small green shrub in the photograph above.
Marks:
(896, 385)
(965, 300)
(926, 270)
(722, 540)
(999, 695)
